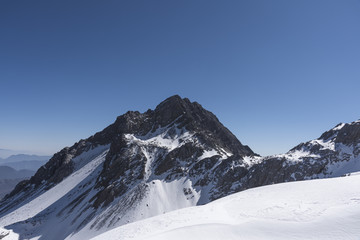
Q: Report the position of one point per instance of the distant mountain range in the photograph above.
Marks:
(24, 161)
(10, 173)
(9, 177)
(24, 157)
(6, 185)
(146, 164)
(17, 168)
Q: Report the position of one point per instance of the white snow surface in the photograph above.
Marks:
(324, 144)
(340, 126)
(296, 156)
(251, 160)
(208, 154)
(161, 197)
(161, 138)
(168, 196)
(315, 209)
(8, 234)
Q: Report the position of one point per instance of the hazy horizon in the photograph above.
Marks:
(5, 153)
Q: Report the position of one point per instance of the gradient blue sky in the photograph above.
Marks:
(276, 73)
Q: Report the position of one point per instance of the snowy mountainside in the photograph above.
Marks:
(178, 155)
(147, 164)
(46, 199)
(36, 217)
(335, 153)
(316, 209)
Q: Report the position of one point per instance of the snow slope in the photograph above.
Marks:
(49, 197)
(36, 219)
(314, 209)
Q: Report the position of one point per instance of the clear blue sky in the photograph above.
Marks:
(276, 73)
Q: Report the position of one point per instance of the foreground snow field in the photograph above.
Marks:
(314, 209)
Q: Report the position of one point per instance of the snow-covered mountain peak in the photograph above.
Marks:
(175, 156)
(146, 164)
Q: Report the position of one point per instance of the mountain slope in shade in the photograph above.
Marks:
(146, 164)
(317, 209)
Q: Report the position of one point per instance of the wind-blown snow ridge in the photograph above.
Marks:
(316, 209)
